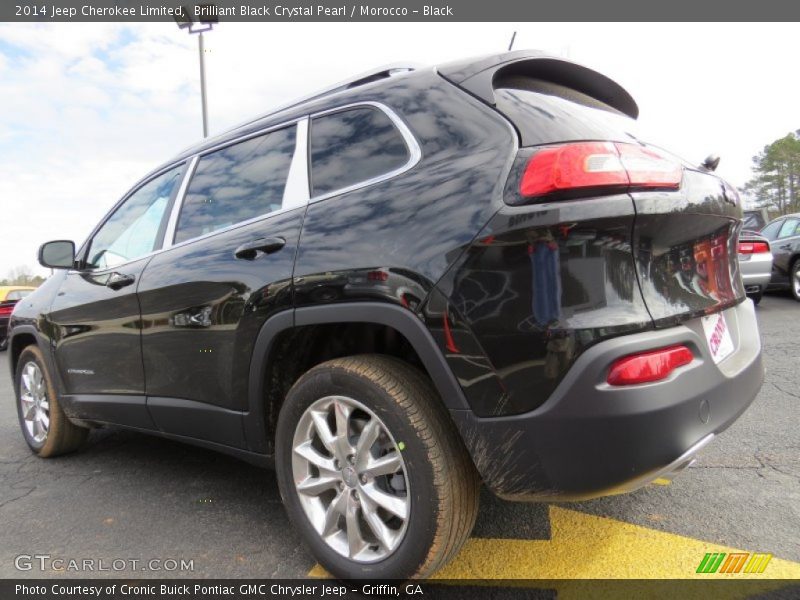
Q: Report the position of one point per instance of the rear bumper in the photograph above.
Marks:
(591, 439)
(756, 270)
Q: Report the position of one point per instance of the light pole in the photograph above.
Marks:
(206, 23)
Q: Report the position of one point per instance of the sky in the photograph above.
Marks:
(86, 109)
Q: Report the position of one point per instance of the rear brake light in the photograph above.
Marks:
(753, 247)
(649, 366)
(6, 310)
(377, 276)
(598, 165)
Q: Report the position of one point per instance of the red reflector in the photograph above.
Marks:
(377, 276)
(597, 165)
(753, 247)
(648, 366)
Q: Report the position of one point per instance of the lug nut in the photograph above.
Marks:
(351, 459)
(363, 479)
(355, 496)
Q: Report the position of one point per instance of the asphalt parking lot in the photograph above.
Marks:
(130, 496)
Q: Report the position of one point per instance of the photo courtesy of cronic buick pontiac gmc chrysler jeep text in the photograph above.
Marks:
(400, 288)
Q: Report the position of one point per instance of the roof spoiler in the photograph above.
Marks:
(478, 77)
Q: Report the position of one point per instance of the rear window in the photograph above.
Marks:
(752, 221)
(546, 113)
(352, 147)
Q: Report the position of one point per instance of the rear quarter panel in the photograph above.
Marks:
(416, 224)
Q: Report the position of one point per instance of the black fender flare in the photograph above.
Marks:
(41, 341)
(401, 319)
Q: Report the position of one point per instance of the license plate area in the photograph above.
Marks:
(718, 336)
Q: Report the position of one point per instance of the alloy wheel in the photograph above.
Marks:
(351, 479)
(796, 280)
(34, 402)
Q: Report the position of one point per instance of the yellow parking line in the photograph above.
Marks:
(662, 481)
(584, 546)
(589, 547)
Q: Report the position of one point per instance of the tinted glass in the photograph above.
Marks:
(771, 230)
(133, 230)
(237, 183)
(752, 221)
(353, 146)
(544, 116)
(788, 228)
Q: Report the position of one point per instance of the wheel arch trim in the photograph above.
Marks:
(401, 319)
(40, 342)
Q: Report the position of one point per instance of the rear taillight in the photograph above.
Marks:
(649, 366)
(598, 165)
(377, 276)
(753, 247)
(6, 310)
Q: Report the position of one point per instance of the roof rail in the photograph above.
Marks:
(360, 79)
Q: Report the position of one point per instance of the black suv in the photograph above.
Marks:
(399, 288)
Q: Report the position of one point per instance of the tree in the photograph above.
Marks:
(22, 275)
(776, 181)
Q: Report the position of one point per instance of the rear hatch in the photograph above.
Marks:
(578, 139)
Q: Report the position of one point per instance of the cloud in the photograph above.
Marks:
(88, 109)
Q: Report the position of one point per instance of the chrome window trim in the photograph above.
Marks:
(250, 135)
(414, 150)
(297, 191)
(296, 156)
(297, 173)
(172, 223)
(236, 225)
(210, 234)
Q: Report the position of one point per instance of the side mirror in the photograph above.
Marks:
(57, 255)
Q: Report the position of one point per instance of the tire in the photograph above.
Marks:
(794, 279)
(437, 480)
(756, 297)
(3, 344)
(60, 435)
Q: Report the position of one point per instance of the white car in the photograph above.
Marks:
(755, 263)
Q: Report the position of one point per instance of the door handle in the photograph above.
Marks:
(250, 250)
(117, 281)
(785, 246)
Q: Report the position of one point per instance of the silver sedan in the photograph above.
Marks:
(755, 263)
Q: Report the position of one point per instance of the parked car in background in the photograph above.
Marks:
(755, 264)
(403, 286)
(784, 236)
(9, 296)
(754, 219)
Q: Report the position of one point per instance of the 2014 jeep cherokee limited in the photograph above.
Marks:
(399, 288)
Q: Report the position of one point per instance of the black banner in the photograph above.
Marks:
(395, 10)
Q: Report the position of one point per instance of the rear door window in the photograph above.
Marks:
(237, 183)
(788, 229)
(354, 146)
(771, 231)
